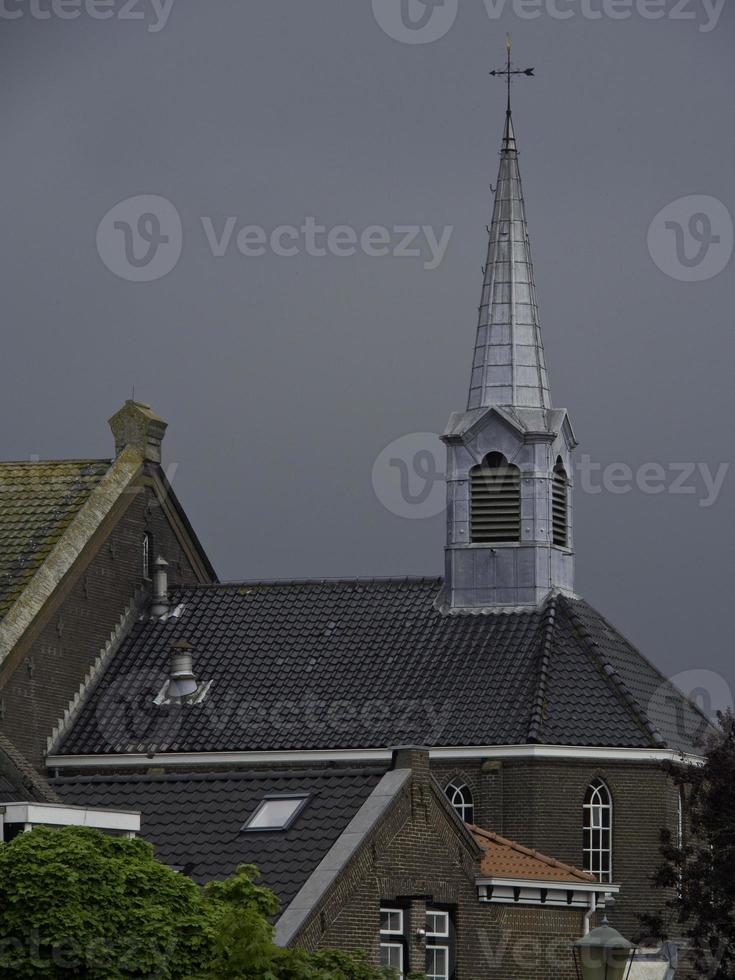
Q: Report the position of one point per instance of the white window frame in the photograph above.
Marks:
(396, 934)
(462, 799)
(598, 818)
(445, 949)
(443, 935)
(400, 947)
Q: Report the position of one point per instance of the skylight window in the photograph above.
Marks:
(276, 812)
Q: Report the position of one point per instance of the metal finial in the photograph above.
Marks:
(509, 71)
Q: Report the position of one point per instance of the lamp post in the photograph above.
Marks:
(603, 955)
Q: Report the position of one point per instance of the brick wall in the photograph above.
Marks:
(47, 678)
(418, 857)
(539, 803)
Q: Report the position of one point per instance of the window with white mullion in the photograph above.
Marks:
(438, 945)
(437, 963)
(460, 796)
(392, 939)
(597, 834)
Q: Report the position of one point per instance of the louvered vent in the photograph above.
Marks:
(560, 519)
(495, 502)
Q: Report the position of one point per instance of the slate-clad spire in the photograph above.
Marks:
(509, 454)
(509, 368)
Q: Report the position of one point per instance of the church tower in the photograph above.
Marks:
(509, 466)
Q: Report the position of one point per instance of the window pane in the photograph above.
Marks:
(274, 813)
(391, 954)
(437, 963)
(391, 921)
(437, 923)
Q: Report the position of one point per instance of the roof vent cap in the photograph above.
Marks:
(182, 682)
(160, 607)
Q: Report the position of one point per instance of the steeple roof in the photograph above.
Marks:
(509, 367)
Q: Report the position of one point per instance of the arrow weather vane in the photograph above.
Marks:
(509, 71)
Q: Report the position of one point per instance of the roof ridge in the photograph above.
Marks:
(530, 852)
(547, 630)
(211, 775)
(645, 659)
(55, 462)
(615, 680)
(358, 580)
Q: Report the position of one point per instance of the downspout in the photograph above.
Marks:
(588, 914)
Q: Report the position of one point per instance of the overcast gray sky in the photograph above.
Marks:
(283, 378)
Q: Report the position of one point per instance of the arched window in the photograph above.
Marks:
(146, 556)
(560, 505)
(460, 796)
(495, 501)
(598, 831)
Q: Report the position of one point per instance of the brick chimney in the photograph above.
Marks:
(137, 426)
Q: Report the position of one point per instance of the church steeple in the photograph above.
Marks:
(509, 366)
(509, 466)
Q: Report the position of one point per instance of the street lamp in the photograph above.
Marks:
(603, 955)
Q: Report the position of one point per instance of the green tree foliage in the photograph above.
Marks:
(702, 871)
(78, 903)
(75, 902)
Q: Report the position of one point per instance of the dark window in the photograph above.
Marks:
(560, 505)
(495, 501)
(597, 843)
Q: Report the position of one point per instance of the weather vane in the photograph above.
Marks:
(509, 71)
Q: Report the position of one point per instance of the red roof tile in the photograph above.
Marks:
(505, 858)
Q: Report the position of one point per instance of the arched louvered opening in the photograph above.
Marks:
(460, 796)
(560, 506)
(597, 846)
(495, 501)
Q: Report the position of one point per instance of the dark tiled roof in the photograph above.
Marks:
(38, 501)
(194, 820)
(371, 664)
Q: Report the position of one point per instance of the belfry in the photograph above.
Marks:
(509, 507)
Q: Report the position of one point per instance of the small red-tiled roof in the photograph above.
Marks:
(505, 858)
